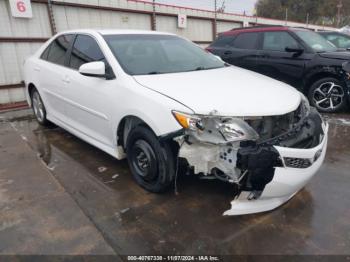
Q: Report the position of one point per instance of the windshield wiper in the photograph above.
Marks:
(200, 68)
(154, 73)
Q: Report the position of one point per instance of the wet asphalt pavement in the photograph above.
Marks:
(133, 221)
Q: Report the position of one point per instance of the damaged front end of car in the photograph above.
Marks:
(255, 153)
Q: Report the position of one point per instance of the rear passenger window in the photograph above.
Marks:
(246, 41)
(223, 41)
(57, 49)
(279, 41)
(85, 50)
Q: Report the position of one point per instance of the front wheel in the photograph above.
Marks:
(328, 95)
(152, 162)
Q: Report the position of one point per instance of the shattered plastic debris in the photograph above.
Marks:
(51, 167)
(24, 137)
(338, 121)
(345, 122)
(110, 181)
(102, 169)
(14, 126)
(115, 176)
(124, 210)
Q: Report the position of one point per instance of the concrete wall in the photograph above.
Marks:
(20, 37)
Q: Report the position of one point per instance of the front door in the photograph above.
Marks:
(89, 99)
(273, 60)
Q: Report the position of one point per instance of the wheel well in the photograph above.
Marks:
(317, 77)
(31, 88)
(126, 125)
(130, 122)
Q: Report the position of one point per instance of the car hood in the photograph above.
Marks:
(343, 55)
(231, 91)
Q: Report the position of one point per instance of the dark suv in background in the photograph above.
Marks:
(297, 56)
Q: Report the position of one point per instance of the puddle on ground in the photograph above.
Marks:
(135, 221)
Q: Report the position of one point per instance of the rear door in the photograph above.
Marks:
(51, 68)
(243, 50)
(274, 61)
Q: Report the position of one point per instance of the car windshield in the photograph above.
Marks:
(159, 54)
(339, 40)
(315, 41)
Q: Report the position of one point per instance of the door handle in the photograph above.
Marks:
(66, 80)
(37, 69)
(265, 55)
(228, 53)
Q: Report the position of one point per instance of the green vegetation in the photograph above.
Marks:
(322, 12)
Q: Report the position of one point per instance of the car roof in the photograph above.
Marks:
(261, 29)
(332, 32)
(115, 32)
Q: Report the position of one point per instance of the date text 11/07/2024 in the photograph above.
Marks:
(173, 258)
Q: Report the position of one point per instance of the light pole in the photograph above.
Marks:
(154, 24)
(339, 6)
(215, 18)
(215, 11)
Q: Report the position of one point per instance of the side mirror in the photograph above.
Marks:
(94, 69)
(346, 67)
(296, 51)
(219, 58)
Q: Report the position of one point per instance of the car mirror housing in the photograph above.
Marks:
(93, 69)
(296, 51)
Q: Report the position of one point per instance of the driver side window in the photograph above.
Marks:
(278, 41)
(85, 50)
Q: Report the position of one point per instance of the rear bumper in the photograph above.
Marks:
(286, 182)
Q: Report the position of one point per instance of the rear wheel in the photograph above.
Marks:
(151, 162)
(328, 95)
(39, 108)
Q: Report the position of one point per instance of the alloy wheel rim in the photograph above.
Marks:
(38, 107)
(328, 96)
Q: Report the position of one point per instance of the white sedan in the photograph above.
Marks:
(156, 98)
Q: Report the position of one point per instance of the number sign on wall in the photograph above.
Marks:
(181, 21)
(21, 8)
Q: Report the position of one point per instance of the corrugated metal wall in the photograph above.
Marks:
(225, 26)
(37, 26)
(12, 55)
(75, 17)
(21, 37)
(197, 29)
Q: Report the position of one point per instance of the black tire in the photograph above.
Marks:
(39, 108)
(328, 95)
(152, 163)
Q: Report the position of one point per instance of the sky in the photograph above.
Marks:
(232, 6)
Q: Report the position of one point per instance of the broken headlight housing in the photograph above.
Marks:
(216, 129)
(305, 105)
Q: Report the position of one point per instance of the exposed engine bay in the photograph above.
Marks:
(242, 150)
